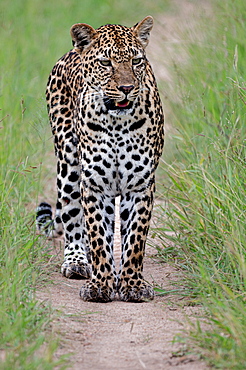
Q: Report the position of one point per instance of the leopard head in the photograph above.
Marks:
(114, 61)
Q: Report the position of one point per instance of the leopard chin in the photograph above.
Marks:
(120, 112)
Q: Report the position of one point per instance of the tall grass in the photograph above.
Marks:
(206, 182)
(34, 34)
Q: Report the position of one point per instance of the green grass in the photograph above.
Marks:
(34, 34)
(205, 182)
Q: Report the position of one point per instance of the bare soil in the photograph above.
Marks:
(120, 335)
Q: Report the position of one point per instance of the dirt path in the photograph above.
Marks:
(121, 335)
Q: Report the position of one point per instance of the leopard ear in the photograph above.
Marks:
(82, 35)
(142, 30)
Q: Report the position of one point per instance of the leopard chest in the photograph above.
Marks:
(116, 155)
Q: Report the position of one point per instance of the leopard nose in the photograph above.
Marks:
(126, 88)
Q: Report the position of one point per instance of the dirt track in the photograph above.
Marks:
(120, 335)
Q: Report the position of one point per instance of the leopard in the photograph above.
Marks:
(107, 122)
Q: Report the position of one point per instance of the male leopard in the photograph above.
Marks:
(107, 121)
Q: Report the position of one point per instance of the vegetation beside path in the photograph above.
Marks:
(205, 186)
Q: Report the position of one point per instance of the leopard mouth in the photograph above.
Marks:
(122, 104)
(111, 104)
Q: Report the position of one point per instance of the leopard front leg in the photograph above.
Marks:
(99, 218)
(135, 213)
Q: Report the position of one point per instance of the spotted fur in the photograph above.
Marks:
(107, 122)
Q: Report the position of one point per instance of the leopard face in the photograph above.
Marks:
(113, 63)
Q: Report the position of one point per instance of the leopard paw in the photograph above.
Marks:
(79, 270)
(139, 291)
(95, 292)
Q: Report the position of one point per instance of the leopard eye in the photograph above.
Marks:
(105, 62)
(136, 61)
